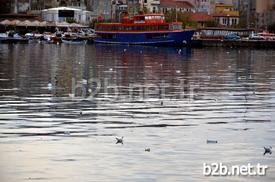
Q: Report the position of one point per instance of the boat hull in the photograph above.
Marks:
(178, 38)
(14, 40)
(74, 41)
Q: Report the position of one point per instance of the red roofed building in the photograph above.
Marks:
(178, 5)
(226, 15)
(201, 18)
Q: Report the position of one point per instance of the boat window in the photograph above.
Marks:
(106, 36)
(157, 36)
(175, 27)
(138, 27)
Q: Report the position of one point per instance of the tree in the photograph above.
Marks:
(5, 6)
(70, 20)
(271, 28)
(211, 23)
(182, 17)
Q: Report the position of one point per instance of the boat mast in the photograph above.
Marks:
(176, 13)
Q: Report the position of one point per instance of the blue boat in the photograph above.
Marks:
(145, 29)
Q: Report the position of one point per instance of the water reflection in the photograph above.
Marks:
(166, 99)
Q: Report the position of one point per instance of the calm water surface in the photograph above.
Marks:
(164, 99)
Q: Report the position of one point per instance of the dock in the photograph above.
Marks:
(233, 43)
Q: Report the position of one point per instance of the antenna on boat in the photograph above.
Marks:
(176, 13)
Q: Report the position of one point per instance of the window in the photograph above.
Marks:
(157, 36)
(224, 21)
(106, 36)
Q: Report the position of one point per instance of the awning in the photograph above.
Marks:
(37, 23)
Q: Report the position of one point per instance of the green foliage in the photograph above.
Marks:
(212, 23)
(93, 23)
(271, 28)
(70, 20)
(145, 10)
(184, 18)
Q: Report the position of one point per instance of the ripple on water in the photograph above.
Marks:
(216, 94)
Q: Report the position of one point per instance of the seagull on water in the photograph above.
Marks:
(147, 150)
(119, 140)
(267, 150)
(211, 141)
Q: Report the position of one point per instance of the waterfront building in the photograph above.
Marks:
(150, 5)
(100, 8)
(264, 13)
(5, 6)
(64, 14)
(176, 5)
(118, 8)
(201, 18)
(133, 7)
(207, 6)
(257, 13)
(35, 6)
(226, 15)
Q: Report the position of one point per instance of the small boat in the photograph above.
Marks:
(12, 37)
(73, 40)
(144, 29)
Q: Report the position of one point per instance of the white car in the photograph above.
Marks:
(254, 36)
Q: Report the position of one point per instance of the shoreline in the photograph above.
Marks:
(259, 44)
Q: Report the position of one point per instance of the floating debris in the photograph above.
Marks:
(211, 141)
(147, 150)
(84, 81)
(119, 140)
(81, 114)
(268, 150)
(50, 86)
(111, 69)
(178, 71)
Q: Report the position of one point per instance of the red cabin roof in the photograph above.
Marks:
(144, 19)
(144, 22)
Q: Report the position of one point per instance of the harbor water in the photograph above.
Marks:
(62, 107)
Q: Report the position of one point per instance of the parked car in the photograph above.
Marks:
(232, 36)
(267, 35)
(255, 36)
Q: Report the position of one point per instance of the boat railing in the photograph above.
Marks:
(175, 26)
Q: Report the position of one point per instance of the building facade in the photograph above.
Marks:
(65, 14)
(205, 6)
(264, 13)
(133, 7)
(34, 6)
(151, 6)
(226, 15)
(174, 5)
(118, 8)
(100, 8)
